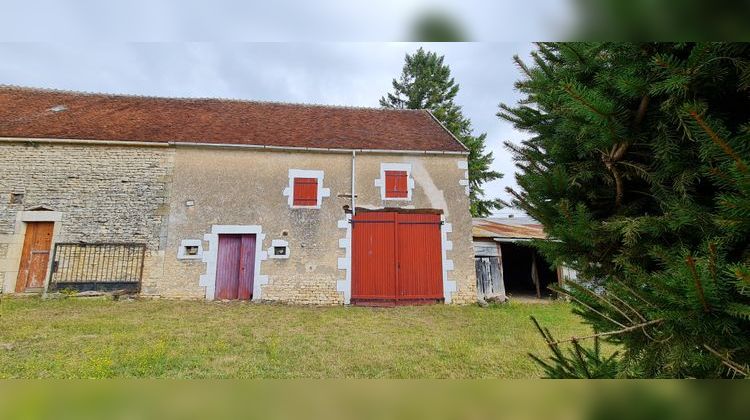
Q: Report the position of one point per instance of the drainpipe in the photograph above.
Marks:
(354, 154)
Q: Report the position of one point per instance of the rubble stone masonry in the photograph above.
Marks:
(163, 196)
(105, 194)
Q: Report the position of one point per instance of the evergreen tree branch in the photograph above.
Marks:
(610, 333)
(719, 142)
(641, 113)
(633, 310)
(585, 305)
(743, 370)
(698, 285)
(633, 292)
(599, 297)
(610, 164)
(568, 87)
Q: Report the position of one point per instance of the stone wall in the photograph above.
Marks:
(104, 193)
(162, 196)
(245, 187)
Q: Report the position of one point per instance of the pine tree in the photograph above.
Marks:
(426, 83)
(637, 166)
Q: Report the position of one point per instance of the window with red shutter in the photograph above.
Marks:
(396, 184)
(305, 192)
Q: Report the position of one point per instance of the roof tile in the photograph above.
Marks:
(43, 113)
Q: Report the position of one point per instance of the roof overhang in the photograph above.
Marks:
(224, 145)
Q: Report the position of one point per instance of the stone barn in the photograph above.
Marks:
(229, 199)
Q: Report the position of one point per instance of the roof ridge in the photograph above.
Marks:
(217, 99)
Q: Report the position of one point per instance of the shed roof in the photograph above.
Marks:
(506, 229)
(45, 113)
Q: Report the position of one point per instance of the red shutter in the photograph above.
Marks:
(305, 191)
(396, 184)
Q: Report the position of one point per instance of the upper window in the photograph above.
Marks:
(305, 191)
(396, 184)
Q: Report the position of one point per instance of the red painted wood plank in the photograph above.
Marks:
(396, 184)
(396, 257)
(305, 191)
(420, 269)
(373, 256)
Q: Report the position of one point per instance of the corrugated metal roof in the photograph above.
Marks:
(499, 228)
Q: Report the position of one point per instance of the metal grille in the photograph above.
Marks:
(95, 266)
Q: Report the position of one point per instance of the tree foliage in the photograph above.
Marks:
(578, 362)
(637, 166)
(426, 83)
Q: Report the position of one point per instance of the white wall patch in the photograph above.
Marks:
(344, 263)
(449, 286)
(464, 182)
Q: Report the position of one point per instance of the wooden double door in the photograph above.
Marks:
(235, 267)
(35, 256)
(396, 258)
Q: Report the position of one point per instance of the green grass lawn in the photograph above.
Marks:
(97, 338)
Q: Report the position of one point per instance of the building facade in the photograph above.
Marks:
(221, 199)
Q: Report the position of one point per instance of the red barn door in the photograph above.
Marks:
(235, 267)
(373, 256)
(420, 258)
(396, 258)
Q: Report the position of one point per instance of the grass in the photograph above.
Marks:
(97, 338)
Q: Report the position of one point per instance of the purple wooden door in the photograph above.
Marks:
(235, 267)
(247, 267)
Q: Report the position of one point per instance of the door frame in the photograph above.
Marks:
(211, 257)
(12, 261)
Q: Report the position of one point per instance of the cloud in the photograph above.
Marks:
(279, 20)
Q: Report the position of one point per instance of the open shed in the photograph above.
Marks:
(507, 264)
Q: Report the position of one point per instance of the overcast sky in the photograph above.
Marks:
(328, 51)
(278, 20)
(324, 73)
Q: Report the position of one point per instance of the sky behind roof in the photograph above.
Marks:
(200, 48)
(355, 74)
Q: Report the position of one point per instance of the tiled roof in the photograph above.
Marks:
(43, 113)
(498, 228)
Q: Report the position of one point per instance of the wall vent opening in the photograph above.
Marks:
(190, 249)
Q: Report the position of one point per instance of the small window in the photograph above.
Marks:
(396, 184)
(279, 249)
(190, 249)
(306, 192)
(16, 198)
